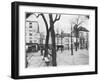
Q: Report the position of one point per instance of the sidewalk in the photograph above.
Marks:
(35, 60)
(80, 57)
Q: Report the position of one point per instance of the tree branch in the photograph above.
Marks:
(56, 19)
(80, 23)
(45, 21)
(37, 15)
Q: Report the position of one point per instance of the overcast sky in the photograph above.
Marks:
(63, 24)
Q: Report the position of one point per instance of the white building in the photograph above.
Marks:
(32, 34)
(65, 40)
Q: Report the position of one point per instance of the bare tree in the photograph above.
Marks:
(52, 22)
(47, 34)
(50, 29)
(77, 24)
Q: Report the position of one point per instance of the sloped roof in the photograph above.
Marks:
(28, 14)
(83, 29)
(31, 17)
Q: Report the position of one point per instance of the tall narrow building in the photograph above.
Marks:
(32, 32)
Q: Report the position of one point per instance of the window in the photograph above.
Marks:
(30, 34)
(30, 41)
(30, 25)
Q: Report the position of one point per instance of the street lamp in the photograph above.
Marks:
(71, 42)
(61, 40)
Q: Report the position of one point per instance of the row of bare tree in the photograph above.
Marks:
(51, 32)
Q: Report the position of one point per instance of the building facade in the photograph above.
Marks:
(32, 34)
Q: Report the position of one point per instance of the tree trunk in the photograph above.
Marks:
(71, 45)
(61, 41)
(53, 41)
(47, 36)
(76, 44)
(53, 47)
(46, 44)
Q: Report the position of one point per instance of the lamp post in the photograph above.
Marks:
(57, 38)
(71, 42)
(61, 40)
